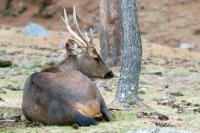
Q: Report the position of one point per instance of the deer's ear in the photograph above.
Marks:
(72, 47)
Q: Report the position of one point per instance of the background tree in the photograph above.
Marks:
(131, 58)
(132, 53)
(119, 25)
(109, 32)
(22, 7)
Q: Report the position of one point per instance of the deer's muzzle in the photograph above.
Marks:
(109, 75)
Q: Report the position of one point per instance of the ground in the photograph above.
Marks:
(165, 22)
(169, 80)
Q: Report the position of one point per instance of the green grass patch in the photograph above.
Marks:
(151, 68)
(121, 116)
(20, 68)
(6, 131)
(180, 70)
(15, 83)
(11, 98)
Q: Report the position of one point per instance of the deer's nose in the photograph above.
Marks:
(109, 75)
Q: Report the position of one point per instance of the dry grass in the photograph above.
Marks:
(176, 74)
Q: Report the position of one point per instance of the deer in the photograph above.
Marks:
(65, 94)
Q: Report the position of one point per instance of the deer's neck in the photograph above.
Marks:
(70, 63)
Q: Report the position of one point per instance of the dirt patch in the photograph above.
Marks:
(169, 80)
(166, 80)
(166, 22)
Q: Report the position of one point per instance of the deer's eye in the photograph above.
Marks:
(96, 59)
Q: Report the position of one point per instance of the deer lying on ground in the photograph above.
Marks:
(63, 94)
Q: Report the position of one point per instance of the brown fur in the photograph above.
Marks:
(63, 94)
(90, 109)
(41, 101)
(85, 62)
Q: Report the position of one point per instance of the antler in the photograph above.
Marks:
(65, 20)
(86, 41)
(91, 36)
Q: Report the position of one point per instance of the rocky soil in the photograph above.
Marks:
(165, 22)
(169, 80)
(169, 83)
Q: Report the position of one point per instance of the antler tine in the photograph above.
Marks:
(65, 20)
(88, 40)
(91, 36)
(77, 27)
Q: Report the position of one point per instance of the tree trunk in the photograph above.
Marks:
(132, 53)
(8, 4)
(131, 57)
(110, 32)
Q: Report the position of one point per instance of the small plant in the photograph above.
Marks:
(125, 116)
(48, 27)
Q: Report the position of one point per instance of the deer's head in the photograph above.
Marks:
(88, 60)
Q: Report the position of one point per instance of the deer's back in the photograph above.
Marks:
(56, 96)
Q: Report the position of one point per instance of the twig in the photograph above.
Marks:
(7, 120)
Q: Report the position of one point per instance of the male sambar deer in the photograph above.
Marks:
(63, 94)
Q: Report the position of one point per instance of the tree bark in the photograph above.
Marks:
(132, 53)
(131, 57)
(110, 32)
(8, 4)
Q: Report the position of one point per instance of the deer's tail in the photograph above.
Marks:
(83, 120)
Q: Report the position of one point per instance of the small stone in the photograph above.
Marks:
(161, 130)
(187, 46)
(1, 99)
(188, 110)
(23, 118)
(2, 91)
(5, 115)
(182, 2)
(61, 46)
(156, 73)
(18, 31)
(142, 90)
(197, 32)
(75, 126)
(34, 29)
(165, 86)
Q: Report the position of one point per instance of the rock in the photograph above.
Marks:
(165, 86)
(182, 2)
(155, 72)
(61, 46)
(187, 46)
(23, 8)
(5, 115)
(34, 29)
(142, 90)
(197, 32)
(18, 31)
(188, 110)
(5, 63)
(159, 130)
(166, 2)
(145, 40)
(1, 99)
(2, 91)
